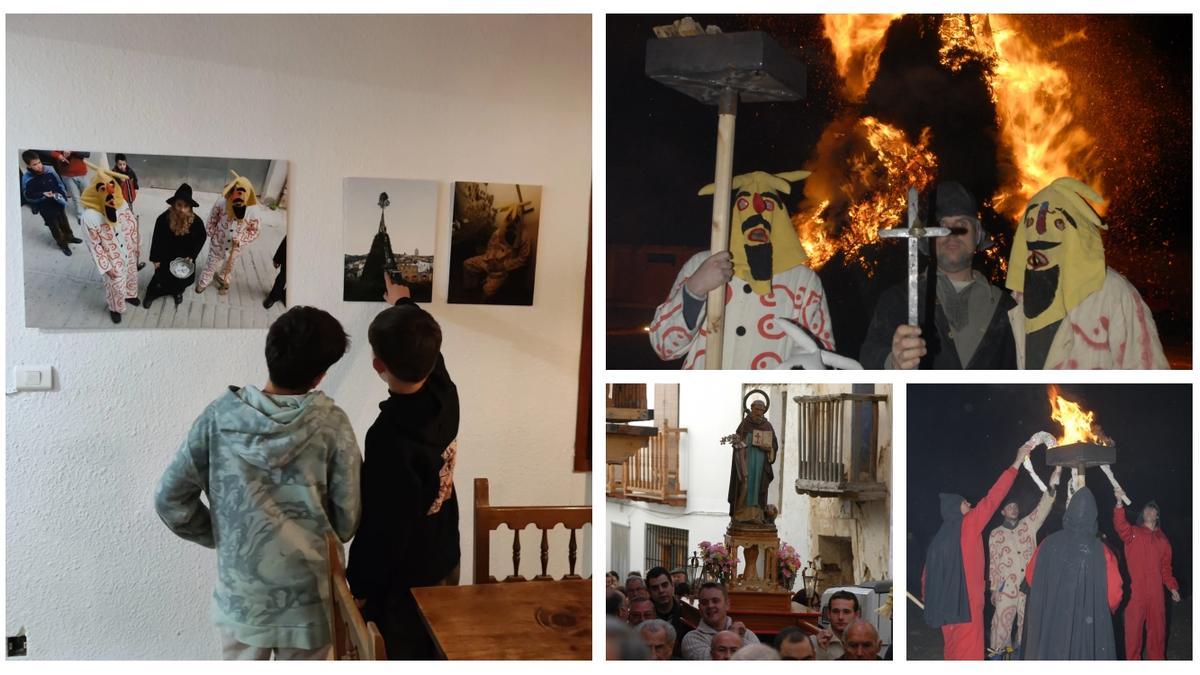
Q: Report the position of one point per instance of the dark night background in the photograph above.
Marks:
(1132, 73)
(962, 437)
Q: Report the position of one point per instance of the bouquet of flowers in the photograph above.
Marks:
(718, 561)
(790, 565)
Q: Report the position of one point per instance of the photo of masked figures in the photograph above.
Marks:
(116, 240)
(1050, 522)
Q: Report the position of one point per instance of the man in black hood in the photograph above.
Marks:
(1074, 587)
(969, 328)
(409, 531)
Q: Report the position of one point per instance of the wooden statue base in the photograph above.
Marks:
(757, 543)
(760, 601)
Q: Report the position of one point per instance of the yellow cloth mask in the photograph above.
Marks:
(1058, 238)
(762, 239)
(248, 197)
(104, 193)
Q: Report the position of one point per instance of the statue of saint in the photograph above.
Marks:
(754, 449)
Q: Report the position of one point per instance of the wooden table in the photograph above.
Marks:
(519, 620)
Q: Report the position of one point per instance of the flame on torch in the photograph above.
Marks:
(1079, 425)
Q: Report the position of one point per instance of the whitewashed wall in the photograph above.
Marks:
(91, 573)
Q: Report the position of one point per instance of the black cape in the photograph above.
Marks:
(1067, 615)
(945, 581)
(996, 351)
(167, 246)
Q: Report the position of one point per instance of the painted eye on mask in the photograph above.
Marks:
(1029, 222)
(742, 204)
(769, 205)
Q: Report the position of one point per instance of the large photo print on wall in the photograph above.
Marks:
(493, 243)
(400, 244)
(115, 240)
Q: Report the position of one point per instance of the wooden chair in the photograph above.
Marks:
(517, 518)
(353, 638)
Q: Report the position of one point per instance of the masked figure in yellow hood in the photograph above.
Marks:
(507, 251)
(113, 238)
(765, 279)
(1072, 311)
(232, 224)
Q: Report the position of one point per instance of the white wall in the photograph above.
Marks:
(91, 573)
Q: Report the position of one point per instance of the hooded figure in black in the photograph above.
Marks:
(409, 532)
(1069, 612)
(945, 584)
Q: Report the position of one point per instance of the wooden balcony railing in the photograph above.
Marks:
(839, 446)
(651, 474)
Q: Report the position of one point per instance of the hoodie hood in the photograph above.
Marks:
(269, 430)
(429, 415)
(1081, 514)
(1141, 520)
(951, 507)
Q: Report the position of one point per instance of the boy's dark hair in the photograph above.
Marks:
(303, 343)
(30, 155)
(120, 158)
(713, 584)
(789, 634)
(656, 572)
(846, 595)
(408, 340)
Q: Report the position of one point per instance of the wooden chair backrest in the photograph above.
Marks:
(517, 518)
(353, 638)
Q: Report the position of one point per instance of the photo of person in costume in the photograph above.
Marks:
(1073, 312)
(493, 243)
(765, 281)
(1074, 579)
(168, 255)
(955, 107)
(233, 225)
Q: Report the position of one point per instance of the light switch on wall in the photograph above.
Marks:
(33, 378)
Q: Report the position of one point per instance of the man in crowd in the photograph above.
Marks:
(666, 605)
(635, 588)
(969, 329)
(659, 636)
(862, 642)
(640, 610)
(759, 652)
(129, 184)
(622, 644)
(724, 645)
(794, 645)
(43, 189)
(73, 169)
(616, 604)
(1010, 546)
(952, 582)
(714, 618)
(843, 609)
(1148, 557)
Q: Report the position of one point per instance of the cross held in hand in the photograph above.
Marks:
(913, 232)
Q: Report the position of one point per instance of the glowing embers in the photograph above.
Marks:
(863, 170)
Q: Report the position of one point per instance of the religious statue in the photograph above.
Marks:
(754, 448)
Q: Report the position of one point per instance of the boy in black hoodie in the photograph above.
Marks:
(409, 531)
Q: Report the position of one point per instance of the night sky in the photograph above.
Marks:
(1133, 73)
(962, 437)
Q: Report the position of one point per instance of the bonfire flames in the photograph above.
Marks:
(864, 167)
(1079, 425)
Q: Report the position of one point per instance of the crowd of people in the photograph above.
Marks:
(645, 621)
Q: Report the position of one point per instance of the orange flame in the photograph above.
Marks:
(1079, 425)
(857, 44)
(880, 167)
(1034, 103)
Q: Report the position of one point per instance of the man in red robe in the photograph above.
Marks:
(1148, 557)
(953, 581)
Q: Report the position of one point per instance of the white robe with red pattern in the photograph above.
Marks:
(1009, 552)
(223, 229)
(116, 249)
(1110, 329)
(753, 339)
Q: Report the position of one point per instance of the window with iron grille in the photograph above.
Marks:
(666, 547)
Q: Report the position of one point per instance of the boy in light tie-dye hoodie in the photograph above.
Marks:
(280, 468)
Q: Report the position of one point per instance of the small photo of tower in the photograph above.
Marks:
(390, 225)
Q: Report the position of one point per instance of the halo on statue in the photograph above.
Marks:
(766, 399)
